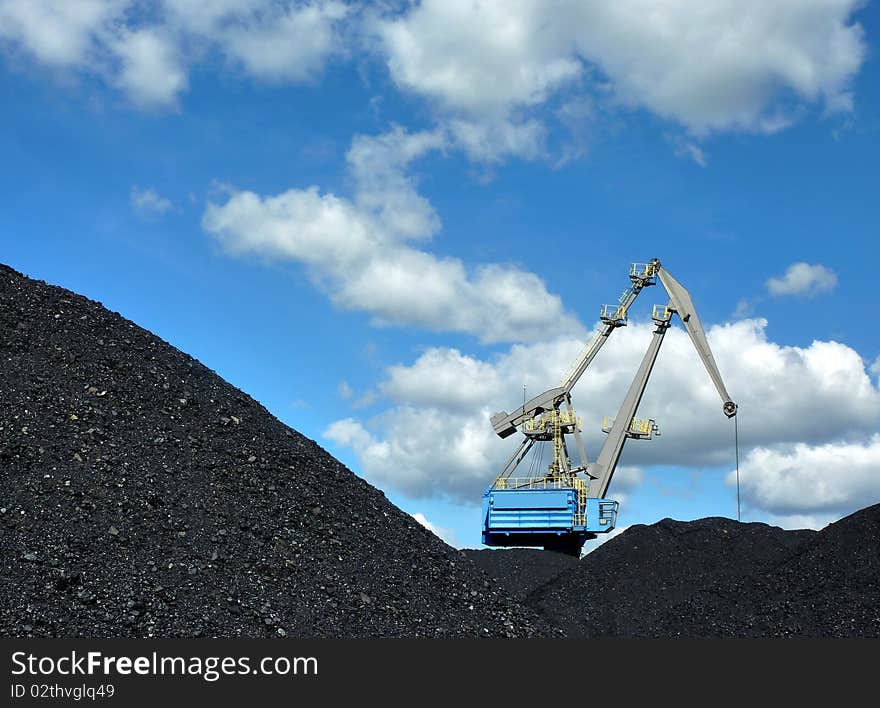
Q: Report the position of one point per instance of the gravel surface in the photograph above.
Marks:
(635, 584)
(142, 495)
(520, 571)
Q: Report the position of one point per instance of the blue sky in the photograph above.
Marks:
(382, 220)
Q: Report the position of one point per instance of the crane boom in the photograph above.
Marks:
(684, 306)
(613, 316)
(680, 303)
(601, 471)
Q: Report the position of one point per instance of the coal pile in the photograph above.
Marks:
(829, 587)
(520, 571)
(141, 495)
(636, 584)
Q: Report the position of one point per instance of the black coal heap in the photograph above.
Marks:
(141, 495)
(520, 571)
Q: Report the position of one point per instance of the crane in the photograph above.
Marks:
(566, 505)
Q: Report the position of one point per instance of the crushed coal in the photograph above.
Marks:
(716, 577)
(520, 571)
(829, 587)
(626, 586)
(143, 496)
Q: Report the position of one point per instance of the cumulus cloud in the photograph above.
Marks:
(148, 55)
(150, 69)
(436, 439)
(286, 41)
(59, 34)
(803, 279)
(360, 250)
(479, 57)
(811, 484)
(149, 201)
(500, 76)
(493, 141)
(708, 66)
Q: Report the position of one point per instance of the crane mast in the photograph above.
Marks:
(561, 509)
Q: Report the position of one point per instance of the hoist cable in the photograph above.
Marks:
(736, 446)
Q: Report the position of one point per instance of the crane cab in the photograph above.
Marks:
(554, 514)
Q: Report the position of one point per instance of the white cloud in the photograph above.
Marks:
(148, 54)
(358, 250)
(344, 390)
(492, 141)
(446, 534)
(444, 378)
(803, 279)
(627, 477)
(811, 482)
(724, 65)
(488, 68)
(378, 166)
(149, 201)
(815, 522)
(151, 72)
(56, 33)
(436, 439)
(479, 57)
(281, 42)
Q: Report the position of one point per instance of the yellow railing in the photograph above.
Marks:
(612, 313)
(547, 421)
(642, 270)
(531, 483)
(661, 313)
(640, 426)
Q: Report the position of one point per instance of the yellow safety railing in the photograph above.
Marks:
(612, 313)
(661, 313)
(532, 483)
(547, 421)
(642, 270)
(640, 426)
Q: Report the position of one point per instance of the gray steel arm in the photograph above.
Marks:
(505, 424)
(684, 306)
(582, 453)
(601, 471)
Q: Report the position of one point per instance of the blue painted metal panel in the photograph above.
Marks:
(532, 499)
(601, 515)
(532, 517)
(529, 519)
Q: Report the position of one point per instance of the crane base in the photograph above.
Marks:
(555, 518)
